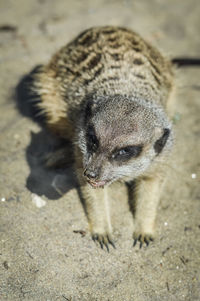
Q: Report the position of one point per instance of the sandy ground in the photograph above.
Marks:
(41, 257)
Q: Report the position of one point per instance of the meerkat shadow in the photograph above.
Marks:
(42, 180)
(27, 99)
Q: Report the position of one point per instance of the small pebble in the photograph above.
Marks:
(16, 136)
(193, 175)
(3, 199)
(6, 265)
(37, 200)
(166, 223)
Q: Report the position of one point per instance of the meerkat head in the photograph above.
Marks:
(120, 137)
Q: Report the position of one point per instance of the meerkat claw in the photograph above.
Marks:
(142, 238)
(103, 241)
(107, 247)
(135, 242)
(111, 242)
(146, 241)
(101, 244)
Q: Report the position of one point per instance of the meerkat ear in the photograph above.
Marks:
(160, 143)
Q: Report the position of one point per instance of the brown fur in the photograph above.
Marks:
(123, 75)
(110, 59)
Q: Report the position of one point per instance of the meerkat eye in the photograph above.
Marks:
(123, 152)
(92, 141)
(127, 152)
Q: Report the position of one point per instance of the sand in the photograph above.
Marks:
(46, 252)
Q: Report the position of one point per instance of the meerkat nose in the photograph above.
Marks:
(90, 174)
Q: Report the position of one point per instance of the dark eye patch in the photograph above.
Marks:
(88, 109)
(127, 152)
(92, 141)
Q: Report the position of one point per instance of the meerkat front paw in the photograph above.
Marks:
(104, 240)
(142, 238)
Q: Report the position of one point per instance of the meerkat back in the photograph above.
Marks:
(107, 61)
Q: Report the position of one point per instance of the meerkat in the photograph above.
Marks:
(108, 91)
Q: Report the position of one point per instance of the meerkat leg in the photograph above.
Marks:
(145, 195)
(96, 207)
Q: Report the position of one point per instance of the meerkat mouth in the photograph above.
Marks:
(97, 184)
